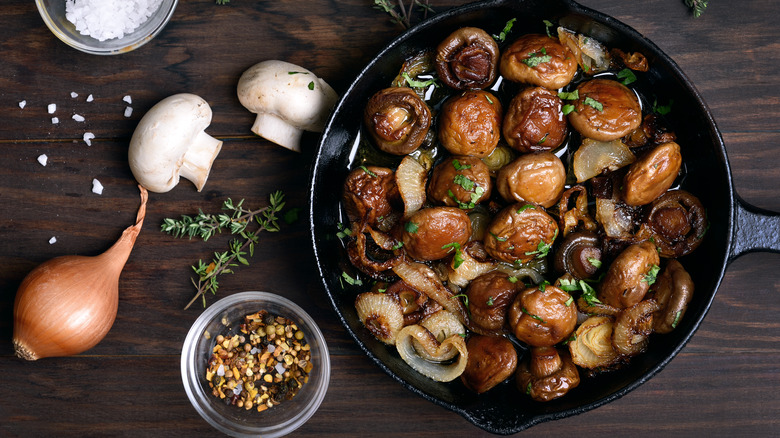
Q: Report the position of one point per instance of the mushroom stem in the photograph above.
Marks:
(278, 130)
(200, 156)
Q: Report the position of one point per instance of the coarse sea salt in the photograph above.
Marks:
(53, 240)
(73, 94)
(55, 120)
(97, 187)
(90, 98)
(128, 111)
(88, 136)
(78, 117)
(52, 108)
(108, 19)
(43, 159)
(22, 104)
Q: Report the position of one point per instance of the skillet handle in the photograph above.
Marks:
(755, 229)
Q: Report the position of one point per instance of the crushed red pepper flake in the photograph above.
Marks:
(267, 362)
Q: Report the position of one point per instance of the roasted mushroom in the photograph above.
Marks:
(579, 255)
(467, 59)
(534, 121)
(633, 327)
(470, 124)
(397, 119)
(538, 60)
(676, 223)
(630, 276)
(542, 316)
(547, 374)
(492, 359)
(652, 175)
(605, 110)
(490, 295)
(460, 181)
(436, 232)
(519, 233)
(370, 193)
(537, 178)
(672, 291)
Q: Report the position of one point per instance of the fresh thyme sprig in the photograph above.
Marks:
(236, 219)
(403, 15)
(697, 6)
(223, 2)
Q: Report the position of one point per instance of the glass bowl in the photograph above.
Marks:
(53, 14)
(223, 317)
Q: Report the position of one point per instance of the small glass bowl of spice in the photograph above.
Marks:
(255, 364)
(106, 27)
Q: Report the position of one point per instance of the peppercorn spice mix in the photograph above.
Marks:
(264, 364)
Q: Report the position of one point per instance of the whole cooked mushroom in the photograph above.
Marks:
(287, 99)
(547, 375)
(170, 142)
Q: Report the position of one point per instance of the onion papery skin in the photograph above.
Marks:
(68, 304)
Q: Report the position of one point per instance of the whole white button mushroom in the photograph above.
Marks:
(170, 142)
(288, 99)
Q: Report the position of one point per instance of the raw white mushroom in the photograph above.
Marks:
(288, 99)
(170, 142)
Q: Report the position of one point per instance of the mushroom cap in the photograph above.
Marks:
(287, 91)
(170, 141)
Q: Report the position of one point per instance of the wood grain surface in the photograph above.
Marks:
(725, 382)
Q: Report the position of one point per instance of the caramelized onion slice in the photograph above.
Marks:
(595, 157)
(442, 325)
(571, 218)
(443, 367)
(592, 346)
(424, 279)
(410, 177)
(633, 327)
(381, 314)
(471, 267)
(591, 55)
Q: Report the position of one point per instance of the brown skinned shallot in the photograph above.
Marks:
(68, 304)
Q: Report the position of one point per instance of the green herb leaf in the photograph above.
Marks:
(526, 207)
(490, 301)
(411, 227)
(569, 95)
(567, 109)
(461, 180)
(398, 245)
(697, 6)
(547, 26)
(662, 109)
(596, 263)
(507, 28)
(416, 83)
(458, 166)
(569, 301)
(626, 76)
(343, 231)
(677, 317)
(500, 239)
(353, 281)
(595, 104)
(311, 85)
(365, 169)
(536, 317)
(651, 275)
(536, 58)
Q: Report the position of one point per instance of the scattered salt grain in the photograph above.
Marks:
(22, 104)
(280, 368)
(43, 159)
(128, 99)
(73, 94)
(97, 187)
(107, 19)
(52, 107)
(90, 98)
(271, 348)
(55, 120)
(128, 111)
(221, 370)
(53, 240)
(88, 136)
(78, 118)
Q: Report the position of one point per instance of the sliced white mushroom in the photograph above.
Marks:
(288, 99)
(170, 142)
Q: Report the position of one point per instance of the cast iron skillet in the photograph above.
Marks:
(735, 228)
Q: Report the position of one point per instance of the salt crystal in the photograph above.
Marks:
(88, 136)
(53, 240)
(97, 187)
(22, 104)
(43, 159)
(107, 19)
(271, 348)
(52, 107)
(78, 118)
(128, 111)
(55, 120)
(280, 368)
(90, 98)
(73, 94)
(221, 370)
(128, 99)
(254, 350)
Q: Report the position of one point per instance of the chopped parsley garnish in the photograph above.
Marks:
(418, 84)
(507, 28)
(398, 245)
(311, 85)
(411, 227)
(458, 259)
(465, 299)
(526, 207)
(662, 109)
(490, 301)
(588, 293)
(536, 317)
(365, 169)
(536, 58)
(569, 301)
(456, 164)
(543, 138)
(569, 95)
(595, 104)
(343, 231)
(651, 275)
(626, 76)
(547, 26)
(543, 285)
(512, 279)
(353, 281)
(490, 101)
(543, 248)
(297, 73)
(596, 263)
(500, 239)
(677, 317)
(463, 181)
(567, 109)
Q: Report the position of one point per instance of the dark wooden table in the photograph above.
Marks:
(724, 383)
